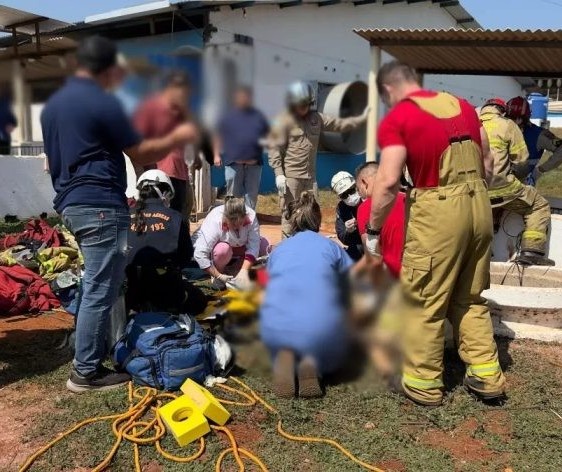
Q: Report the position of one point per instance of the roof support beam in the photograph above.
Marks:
(37, 19)
(464, 44)
(39, 55)
(326, 3)
(448, 3)
(185, 19)
(37, 38)
(293, 3)
(238, 5)
(358, 3)
(15, 41)
(510, 73)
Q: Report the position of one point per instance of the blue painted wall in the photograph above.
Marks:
(158, 50)
(326, 166)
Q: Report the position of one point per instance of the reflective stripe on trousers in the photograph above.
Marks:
(487, 369)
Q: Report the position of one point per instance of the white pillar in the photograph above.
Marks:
(373, 117)
(28, 130)
(21, 103)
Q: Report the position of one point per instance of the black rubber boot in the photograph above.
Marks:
(476, 387)
(534, 258)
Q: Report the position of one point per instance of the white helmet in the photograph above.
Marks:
(300, 93)
(342, 181)
(155, 178)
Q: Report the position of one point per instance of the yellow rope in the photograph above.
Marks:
(292, 437)
(131, 427)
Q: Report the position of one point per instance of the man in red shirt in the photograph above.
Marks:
(159, 115)
(446, 260)
(392, 232)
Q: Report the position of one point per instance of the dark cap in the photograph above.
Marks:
(96, 54)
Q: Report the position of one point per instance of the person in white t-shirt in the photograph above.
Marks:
(229, 242)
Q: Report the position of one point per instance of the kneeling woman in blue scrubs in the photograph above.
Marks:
(303, 319)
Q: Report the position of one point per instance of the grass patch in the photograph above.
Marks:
(269, 205)
(550, 184)
(378, 427)
(17, 226)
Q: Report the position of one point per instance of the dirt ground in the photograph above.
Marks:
(461, 436)
(377, 426)
(28, 348)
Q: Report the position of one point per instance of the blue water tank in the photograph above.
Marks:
(539, 106)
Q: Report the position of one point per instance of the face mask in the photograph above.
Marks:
(353, 200)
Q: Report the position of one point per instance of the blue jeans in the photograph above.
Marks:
(101, 233)
(243, 180)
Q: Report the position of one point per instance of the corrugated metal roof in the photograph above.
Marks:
(453, 7)
(24, 22)
(475, 51)
(49, 46)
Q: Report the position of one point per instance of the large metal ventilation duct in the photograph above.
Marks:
(346, 99)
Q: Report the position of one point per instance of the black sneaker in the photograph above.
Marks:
(534, 258)
(102, 379)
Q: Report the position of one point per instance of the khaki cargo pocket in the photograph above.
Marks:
(296, 133)
(416, 274)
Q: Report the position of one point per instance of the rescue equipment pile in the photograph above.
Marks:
(30, 263)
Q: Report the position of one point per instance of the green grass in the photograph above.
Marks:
(550, 184)
(269, 205)
(377, 426)
(17, 226)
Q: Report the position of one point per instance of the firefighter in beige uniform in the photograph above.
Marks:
(293, 144)
(446, 258)
(510, 156)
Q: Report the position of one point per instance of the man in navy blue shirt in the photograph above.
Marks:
(85, 131)
(238, 139)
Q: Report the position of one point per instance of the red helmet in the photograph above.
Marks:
(497, 102)
(518, 107)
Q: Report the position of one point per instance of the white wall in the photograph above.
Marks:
(317, 43)
(26, 188)
(505, 240)
(36, 132)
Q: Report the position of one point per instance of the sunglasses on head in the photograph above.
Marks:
(350, 191)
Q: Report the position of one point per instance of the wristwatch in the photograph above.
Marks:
(372, 232)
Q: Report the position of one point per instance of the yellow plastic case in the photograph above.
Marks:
(206, 402)
(184, 420)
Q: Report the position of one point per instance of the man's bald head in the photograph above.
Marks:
(395, 80)
(365, 178)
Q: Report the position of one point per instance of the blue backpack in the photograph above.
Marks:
(162, 351)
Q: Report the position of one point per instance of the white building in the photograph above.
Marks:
(264, 43)
(315, 41)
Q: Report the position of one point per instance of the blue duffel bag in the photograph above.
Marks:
(161, 350)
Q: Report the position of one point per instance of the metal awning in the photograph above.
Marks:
(24, 35)
(47, 46)
(473, 52)
(24, 22)
(462, 52)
